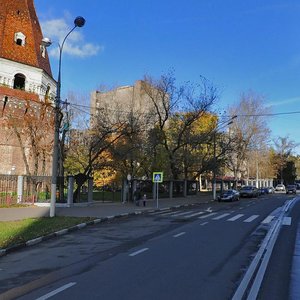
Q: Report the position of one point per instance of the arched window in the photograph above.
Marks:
(19, 81)
(20, 39)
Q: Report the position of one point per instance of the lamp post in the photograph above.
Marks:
(78, 22)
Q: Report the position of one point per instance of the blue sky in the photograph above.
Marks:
(238, 45)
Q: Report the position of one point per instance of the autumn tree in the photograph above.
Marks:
(176, 110)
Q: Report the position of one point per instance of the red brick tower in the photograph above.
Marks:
(26, 88)
(21, 35)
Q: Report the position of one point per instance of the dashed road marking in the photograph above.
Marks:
(202, 224)
(178, 235)
(138, 252)
(51, 294)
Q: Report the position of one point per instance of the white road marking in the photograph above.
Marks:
(209, 209)
(207, 216)
(202, 224)
(287, 221)
(221, 216)
(178, 235)
(235, 217)
(51, 294)
(194, 215)
(250, 219)
(267, 220)
(158, 212)
(182, 213)
(139, 252)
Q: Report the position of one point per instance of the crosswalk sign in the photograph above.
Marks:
(157, 177)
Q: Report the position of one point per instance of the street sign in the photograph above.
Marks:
(157, 177)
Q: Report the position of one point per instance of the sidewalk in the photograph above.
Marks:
(99, 209)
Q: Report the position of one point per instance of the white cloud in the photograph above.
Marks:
(283, 102)
(75, 45)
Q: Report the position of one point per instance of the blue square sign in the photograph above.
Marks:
(157, 177)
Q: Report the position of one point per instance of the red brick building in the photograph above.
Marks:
(27, 90)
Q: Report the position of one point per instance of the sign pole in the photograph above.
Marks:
(157, 178)
(156, 194)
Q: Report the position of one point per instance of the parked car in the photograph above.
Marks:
(291, 188)
(280, 188)
(229, 195)
(263, 190)
(270, 190)
(249, 191)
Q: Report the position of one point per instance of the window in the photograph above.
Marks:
(20, 39)
(19, 81)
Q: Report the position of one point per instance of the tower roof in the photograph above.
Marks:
(21, 34)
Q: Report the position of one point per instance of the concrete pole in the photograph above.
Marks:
(70, 190)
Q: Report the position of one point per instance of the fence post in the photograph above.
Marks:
(185, 186)
(90, 190)
(171, 189)
(20, 188)
(70, 190)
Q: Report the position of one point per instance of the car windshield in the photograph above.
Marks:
(230, 192)
(247, 188)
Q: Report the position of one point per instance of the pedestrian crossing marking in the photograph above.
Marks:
(235, 217)
(287, 221)
(221, 216)
(216, 216)
(207, 216)
(268, 219)
(194, 215)
(250, 219)
(182, 214)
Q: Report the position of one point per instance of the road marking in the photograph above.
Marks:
(235, 217)
(178, 235)
(250, 219)
(194, 215)
(158, 212)
(51, 294)
(287, 221)
(182, 214)
(207, 216)
(202, 224)
(139, 252)
(267, 220)
(221, 216)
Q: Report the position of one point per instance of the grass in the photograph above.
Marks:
(16, 232)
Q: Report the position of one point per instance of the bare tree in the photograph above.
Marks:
(249, 131)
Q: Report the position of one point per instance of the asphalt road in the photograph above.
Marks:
(195, 253)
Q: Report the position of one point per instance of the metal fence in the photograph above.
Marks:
(23, 189)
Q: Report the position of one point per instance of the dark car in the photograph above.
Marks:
(263, 190)
(249, 191)
(229, 195)
(291, 188)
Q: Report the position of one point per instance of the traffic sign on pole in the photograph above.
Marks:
(157, 177)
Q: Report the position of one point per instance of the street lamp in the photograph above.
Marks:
(78, 22)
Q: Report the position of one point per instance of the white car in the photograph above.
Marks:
(280, 188)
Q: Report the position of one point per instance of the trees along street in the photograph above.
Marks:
(159, 255)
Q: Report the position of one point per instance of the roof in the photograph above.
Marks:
(19, 16)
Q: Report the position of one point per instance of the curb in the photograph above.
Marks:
(61, 232)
